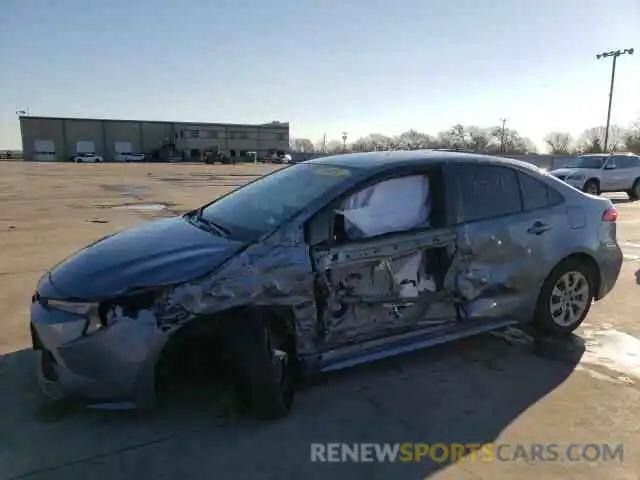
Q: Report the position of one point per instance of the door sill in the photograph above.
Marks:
(372, 350)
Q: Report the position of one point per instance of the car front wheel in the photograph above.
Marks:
(263, 359)
(591, 187)
(565, 298)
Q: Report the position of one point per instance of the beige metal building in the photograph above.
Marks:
(54, 138)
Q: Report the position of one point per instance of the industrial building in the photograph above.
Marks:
(57, 139)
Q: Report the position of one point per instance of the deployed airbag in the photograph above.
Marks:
(389, 206)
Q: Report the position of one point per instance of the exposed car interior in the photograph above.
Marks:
(391, 289)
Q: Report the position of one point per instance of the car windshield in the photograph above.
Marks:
(587, 162)
(264, 204)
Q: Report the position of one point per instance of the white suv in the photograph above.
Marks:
(598, 173)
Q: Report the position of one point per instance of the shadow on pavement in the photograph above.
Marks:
(465, 393)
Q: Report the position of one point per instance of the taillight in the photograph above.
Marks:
(610, 215)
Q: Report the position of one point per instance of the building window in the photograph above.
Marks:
(231, 135)
(282, 137)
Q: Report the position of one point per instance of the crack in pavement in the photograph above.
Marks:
(90, 458)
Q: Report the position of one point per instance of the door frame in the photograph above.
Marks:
(325, 255)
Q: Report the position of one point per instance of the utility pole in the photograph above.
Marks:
(324, 143)
(344, 141)
(615, 54)
(502, 121)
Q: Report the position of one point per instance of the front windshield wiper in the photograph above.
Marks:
(198, 216)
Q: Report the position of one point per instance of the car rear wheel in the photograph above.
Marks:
(591, 187)
(565, 298)
(634, 193)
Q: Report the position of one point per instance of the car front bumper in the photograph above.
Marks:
(110, 368)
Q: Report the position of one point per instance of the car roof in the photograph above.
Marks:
(407, 158)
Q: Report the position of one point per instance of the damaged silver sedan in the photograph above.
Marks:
(320, 266)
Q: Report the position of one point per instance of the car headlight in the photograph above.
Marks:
(89, 310)
(77, 308)
(103, 314)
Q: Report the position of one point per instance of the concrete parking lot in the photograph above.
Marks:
(490, 389)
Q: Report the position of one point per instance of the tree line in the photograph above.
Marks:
(491, 140)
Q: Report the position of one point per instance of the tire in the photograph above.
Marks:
(634, 193)
(592, 187)
(559, 317)
(264, 369)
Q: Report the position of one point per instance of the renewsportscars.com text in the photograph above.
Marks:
(454, 452)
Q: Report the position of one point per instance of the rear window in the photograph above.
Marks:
(486, 191)
(536, 194)
(587, 162)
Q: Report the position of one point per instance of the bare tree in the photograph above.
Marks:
(485, 140)
(509, 141)
(559, 142)
(379, 141)
(302, 145)
(478, 139)
(334, 146)
(632, 138)
(361, 145)
(455, 138)
(465, 138)
(412, 140)
(592, 139)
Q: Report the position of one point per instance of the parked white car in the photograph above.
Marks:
(598, 173)
(87, 158)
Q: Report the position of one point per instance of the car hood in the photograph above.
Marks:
(569, 171)
(157, 253)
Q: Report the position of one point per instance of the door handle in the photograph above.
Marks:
(538, 228)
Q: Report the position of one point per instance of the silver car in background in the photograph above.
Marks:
(599, 173)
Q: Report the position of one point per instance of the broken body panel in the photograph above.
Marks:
(349, 302)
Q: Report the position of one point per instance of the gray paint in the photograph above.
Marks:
(492, 278)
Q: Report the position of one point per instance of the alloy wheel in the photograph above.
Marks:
(569, 298)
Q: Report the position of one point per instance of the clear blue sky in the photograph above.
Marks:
(361, 66)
